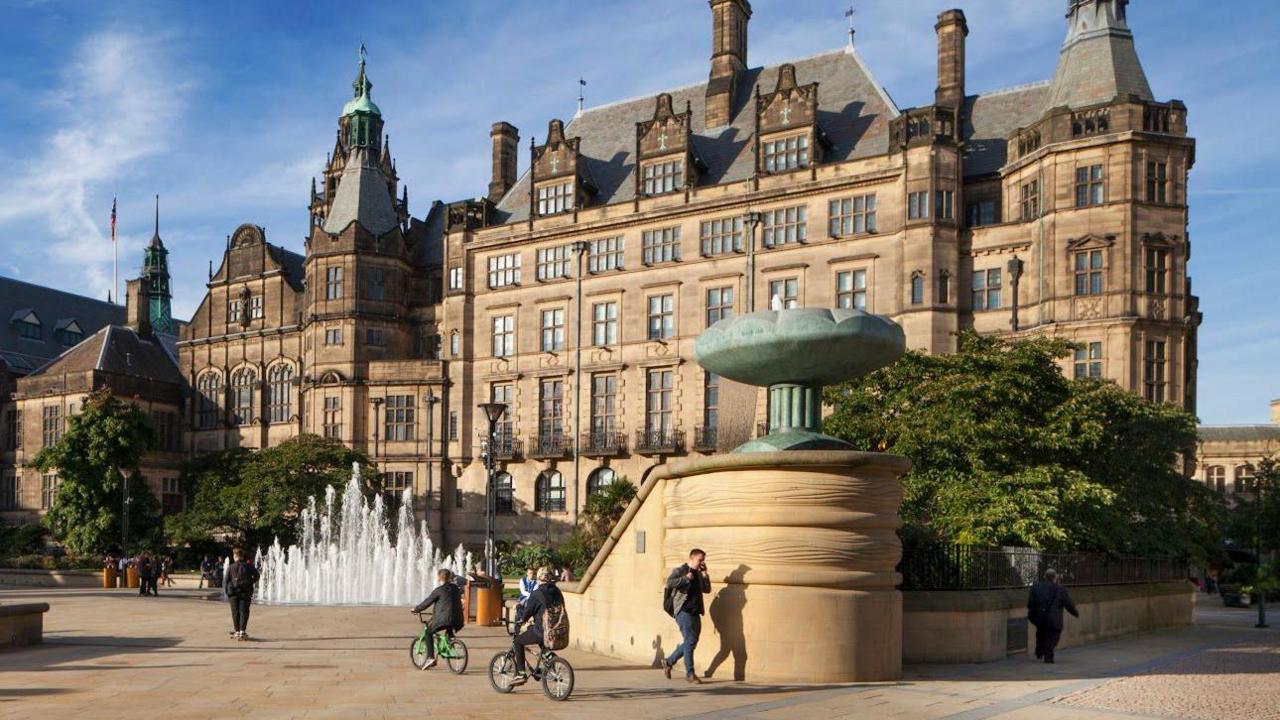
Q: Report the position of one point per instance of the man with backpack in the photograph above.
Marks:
(550, 627)
(239, 582)
(1045, 604)
(682, 600)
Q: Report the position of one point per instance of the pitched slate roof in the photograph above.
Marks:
(1098, 59)
(853, 110)
(1238, 433)
(118, 349)
(990, 117)
(362, 197)
(292, 263)
(54, 308)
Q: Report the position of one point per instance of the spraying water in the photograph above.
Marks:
(347, 556)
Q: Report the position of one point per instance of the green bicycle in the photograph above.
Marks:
(448, 647)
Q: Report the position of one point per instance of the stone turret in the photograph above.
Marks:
(1098, 61)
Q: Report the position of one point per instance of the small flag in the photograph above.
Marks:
(113, 219)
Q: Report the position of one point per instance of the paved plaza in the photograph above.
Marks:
(115, 655)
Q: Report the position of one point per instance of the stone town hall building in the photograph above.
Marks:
(574, 288)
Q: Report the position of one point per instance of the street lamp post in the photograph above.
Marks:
(429, 401)
(377, 410)
(124, 518)
(1257, 549)
(493, 411)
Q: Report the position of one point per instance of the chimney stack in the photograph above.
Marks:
(728, 58)
(952, 30)
(506, 145)
(137, 306)
(1275, 412)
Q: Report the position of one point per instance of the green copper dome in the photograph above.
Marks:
(361, 103)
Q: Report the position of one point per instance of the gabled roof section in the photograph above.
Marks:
(990, 117)
(1098, 60)
(18, 299)
(119, 350)
(853, 110)
(362, 197)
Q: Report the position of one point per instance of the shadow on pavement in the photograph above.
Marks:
(679, 688)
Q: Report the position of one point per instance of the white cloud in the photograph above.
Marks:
(113, 107)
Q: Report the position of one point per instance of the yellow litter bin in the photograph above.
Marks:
(108, 577)
(131, 573)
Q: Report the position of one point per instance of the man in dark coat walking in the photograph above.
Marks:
(683, 601)
(1045, 604)
(446, 600)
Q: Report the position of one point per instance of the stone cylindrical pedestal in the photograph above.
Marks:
(133, 580)
(108, 577)
(803, 549)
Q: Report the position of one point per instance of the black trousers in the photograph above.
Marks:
(1046, 641)
(528, 637)
(240, 612)
(431, 638)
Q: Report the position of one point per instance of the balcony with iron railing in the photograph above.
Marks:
(659, 441)
(551, 446)
(506, 446)
(603, 443)
(705, 438)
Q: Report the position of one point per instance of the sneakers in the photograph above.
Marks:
(239, 635)
(431, 662)
(666, 669)
(234, 634)
(244, 637)
(519, 679)
(693, 679)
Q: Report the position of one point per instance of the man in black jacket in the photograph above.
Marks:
(686, 585)
(447, 616)
(547, 595)
(239, 584)
(1045, 604)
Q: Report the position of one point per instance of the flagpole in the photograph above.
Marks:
(115, 249)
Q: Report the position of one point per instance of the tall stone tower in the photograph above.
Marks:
(155, 274)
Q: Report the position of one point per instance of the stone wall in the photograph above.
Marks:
(22, 624)
(986, 625)
(51, 578)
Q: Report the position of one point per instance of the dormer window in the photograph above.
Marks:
(555, 198)
(663, 177)
(27, 323)
(68, 332)
(786, 154)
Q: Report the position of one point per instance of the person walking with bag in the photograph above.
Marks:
(683, 601)
(1045, 604)
(239, 583)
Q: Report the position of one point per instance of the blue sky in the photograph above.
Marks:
(227, 109)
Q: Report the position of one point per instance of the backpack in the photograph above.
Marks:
(669, 601)
(555, 627)
(240, 579)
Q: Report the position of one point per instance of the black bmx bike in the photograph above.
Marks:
(554, 672)
(447, 646)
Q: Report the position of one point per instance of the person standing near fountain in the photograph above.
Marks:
(238, 584)
(447, 616)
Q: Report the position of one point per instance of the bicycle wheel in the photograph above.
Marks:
(557, 679)
(418, 652)
(457, 657)
(502, 668)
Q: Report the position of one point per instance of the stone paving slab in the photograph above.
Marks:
(112, 654)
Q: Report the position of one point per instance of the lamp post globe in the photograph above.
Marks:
(493, 411)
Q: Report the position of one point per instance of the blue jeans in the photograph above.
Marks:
(690, 628)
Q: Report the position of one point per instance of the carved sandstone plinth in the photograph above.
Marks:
(803, 548)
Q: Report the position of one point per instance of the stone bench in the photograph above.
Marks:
(22, 624)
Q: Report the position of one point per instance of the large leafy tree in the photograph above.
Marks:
(253, 497)
(107, 439)
(1006, 450)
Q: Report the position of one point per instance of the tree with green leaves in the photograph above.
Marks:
(255, 496)
(1005, 450)
(105, 441)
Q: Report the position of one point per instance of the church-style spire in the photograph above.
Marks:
(361, 118)
(1098, 61)
(155, 274)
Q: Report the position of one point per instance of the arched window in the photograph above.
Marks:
(1215, 477)
(242, 383)
(549, 489)
(209, 387)
(1243, 479)
(280, 392)
(599, 479)
(503, 499)
(917, 287)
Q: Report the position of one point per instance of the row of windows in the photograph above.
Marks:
(277, 396)
(1090, 190)
(377, 286)
(67, 332)
(1215, 477)
(1089, 269)
(172, 498)
(548, 490)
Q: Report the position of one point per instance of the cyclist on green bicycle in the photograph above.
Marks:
(447, 616)
(546, 601)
